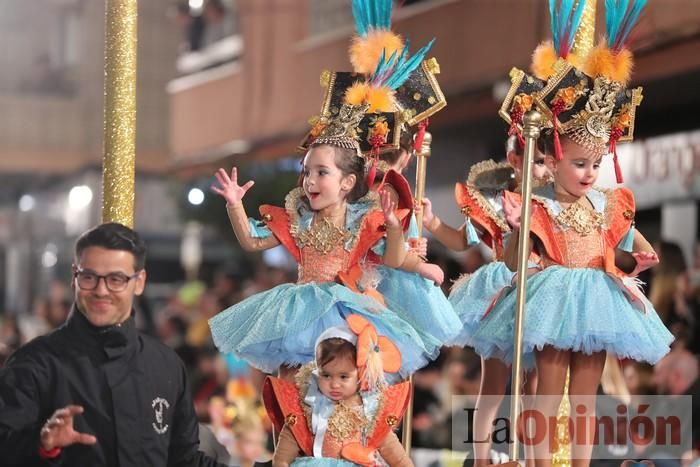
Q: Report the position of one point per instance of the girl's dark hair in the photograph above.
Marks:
(405, 144)
(335, 348)
(350, 163)
(545, 143)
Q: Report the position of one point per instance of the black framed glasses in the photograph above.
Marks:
(115, 281)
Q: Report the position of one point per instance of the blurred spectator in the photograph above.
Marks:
(10, 337)
(427, 407)
(677, 375)
(58, 311)
(250, 441)
(191, 27)
(209, 445)
(218, 21)
(171, 331)
(217, 422)
(671, 296)
(227, 287)
(209, 380)
(199, 334)
(37, 322)
(639, 378)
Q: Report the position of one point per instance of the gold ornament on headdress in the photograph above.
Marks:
(342, 129)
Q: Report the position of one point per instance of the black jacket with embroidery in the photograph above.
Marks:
(133, 388)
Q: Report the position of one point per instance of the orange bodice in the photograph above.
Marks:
(318, 267)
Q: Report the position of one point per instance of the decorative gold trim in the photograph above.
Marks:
(330, 76)
(636, 100)
(516, 77)
(294, 198)
(476, 170)
(429, 67)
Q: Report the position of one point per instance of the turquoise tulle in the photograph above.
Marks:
(321, 462)
(471, 296)
(421, 303)
(280, 326)
(584, 310)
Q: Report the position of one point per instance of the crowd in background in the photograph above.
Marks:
(226, 391)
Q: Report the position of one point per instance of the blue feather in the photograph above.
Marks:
(359, 17)
(371, 15)
(575, 23)
(403, 70)
(553, 19)
(384, 17)
(630, 22)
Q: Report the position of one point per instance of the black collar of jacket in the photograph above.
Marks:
(115, 341)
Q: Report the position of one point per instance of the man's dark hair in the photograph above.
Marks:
(113, 236)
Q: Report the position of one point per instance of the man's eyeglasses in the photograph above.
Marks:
(115, 281)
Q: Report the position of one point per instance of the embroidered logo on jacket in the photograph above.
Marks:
(160, 405)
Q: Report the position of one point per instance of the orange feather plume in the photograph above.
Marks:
(380, 99)
(357, 93)
(543, 59)
(365, 51)
(603, 62)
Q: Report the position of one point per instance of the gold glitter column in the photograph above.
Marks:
(120, 112)
(585, 36)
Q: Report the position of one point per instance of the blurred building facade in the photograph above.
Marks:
(51, 96)
(255, 107)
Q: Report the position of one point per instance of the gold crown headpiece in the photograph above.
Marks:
(581, 91)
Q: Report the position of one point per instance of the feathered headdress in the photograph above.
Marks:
(395, 87)
(581, 96)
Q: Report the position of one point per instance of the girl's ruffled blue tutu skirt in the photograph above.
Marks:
(281, 325)
(321, 462)
(471, 297)
(419, 302)
(584, 310)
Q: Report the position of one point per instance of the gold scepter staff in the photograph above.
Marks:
(118, 163)
(422, 143)
(531, 131)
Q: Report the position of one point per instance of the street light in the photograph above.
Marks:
(27, 203)
(195, 196)
(79, 197)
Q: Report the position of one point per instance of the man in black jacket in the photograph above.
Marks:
(95, 391)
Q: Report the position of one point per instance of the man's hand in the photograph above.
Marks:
(58, 430)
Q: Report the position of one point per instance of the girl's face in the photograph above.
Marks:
(338, 379)
(577, 171)
(324, 183)
(539, 168)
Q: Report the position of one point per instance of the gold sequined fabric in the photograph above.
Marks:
(324, 236)
(316, 266)
(345, 422)
(580, 217)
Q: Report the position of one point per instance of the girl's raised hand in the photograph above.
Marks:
(645, 260)
(389, 209)
(229, 188)
(511, 210)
